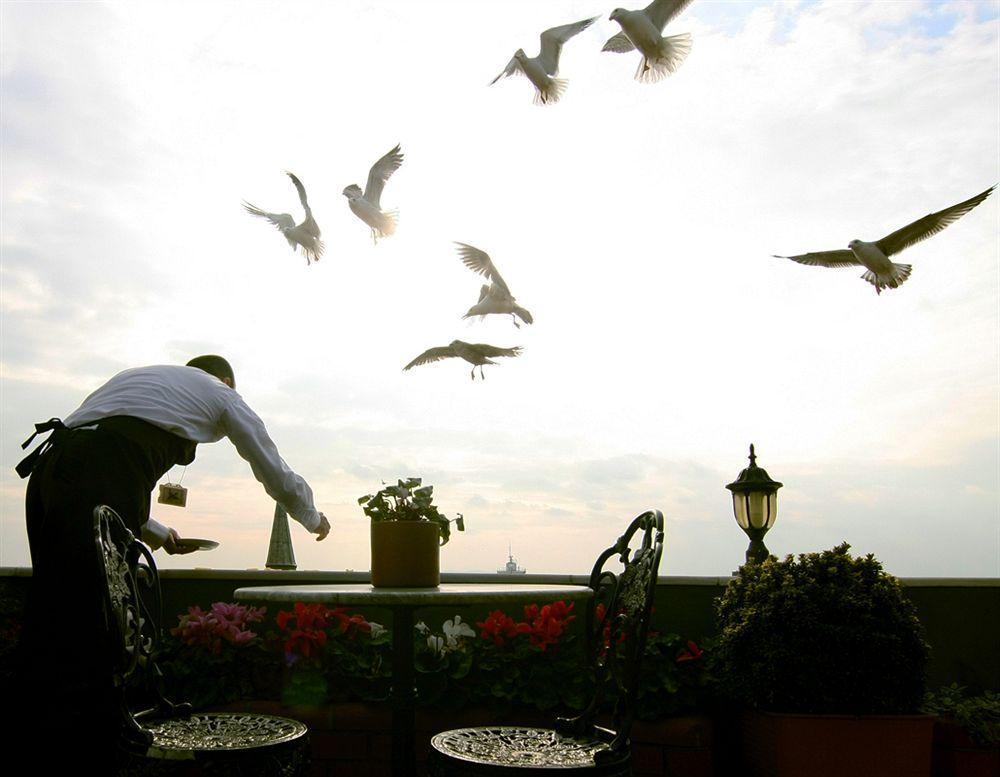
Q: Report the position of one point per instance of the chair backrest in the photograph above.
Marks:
(130, 616)
(618, 622)
(131, 588)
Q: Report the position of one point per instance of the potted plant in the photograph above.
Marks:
(826, 655)
(966, 732)
(406, 534)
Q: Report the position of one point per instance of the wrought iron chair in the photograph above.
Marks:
(162, 737)
(616, 624)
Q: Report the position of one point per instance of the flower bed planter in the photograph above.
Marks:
(955, 755)
(787, 745)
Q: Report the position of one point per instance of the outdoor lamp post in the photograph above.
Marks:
(755, 503)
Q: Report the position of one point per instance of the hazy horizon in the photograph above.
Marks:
(636, 222)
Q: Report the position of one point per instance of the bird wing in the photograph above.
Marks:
(619, 44)
(282, 221)
(431, 355)
(929, 225)
(309, 225)
(380, 173)
(553, 39)
(300, 189)
(480, 262)
(662, 11)
(492, 350)
(839, 258)
(484, 292)
(513, 68)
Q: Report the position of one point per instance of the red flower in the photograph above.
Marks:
(350, 624)
(308, 634)
(693, 653)
(498, 626)
(548, 623)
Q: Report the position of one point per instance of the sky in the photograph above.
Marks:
(635, 221)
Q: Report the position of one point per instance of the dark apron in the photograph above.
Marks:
(116, 460)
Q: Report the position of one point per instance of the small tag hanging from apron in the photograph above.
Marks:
(173, 494)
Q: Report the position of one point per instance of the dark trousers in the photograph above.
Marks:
(63, 691)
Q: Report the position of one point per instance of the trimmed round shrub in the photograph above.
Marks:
(824, 633)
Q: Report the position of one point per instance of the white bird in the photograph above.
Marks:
(881, 272)
(494, 297)
(642, 30)
(305, 234)
(476, 354)
(541, 70)
(366, 206)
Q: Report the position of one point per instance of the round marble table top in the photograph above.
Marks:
(446, 593)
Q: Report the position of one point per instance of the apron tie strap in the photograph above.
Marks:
(27, 464)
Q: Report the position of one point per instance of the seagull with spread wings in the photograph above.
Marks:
(305, 234)
(881, 272)
(494, 297)
(367, 206)
(643, 30)
(476, 354)
(541, 70)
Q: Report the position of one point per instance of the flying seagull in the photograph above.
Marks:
(476, 354)
(494, 297)
(366, 206)
(881, 272)
(305, 234)
(643, 30)
(541, 70)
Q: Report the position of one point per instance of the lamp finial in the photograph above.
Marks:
(753, 456)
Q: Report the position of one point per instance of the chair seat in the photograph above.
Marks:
(521, 748)
(220, 732)
(220, 744)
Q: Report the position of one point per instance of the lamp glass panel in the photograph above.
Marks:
(757, 501)
(740, 509)
(772, 509)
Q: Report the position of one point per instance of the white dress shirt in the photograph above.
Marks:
(192, 404)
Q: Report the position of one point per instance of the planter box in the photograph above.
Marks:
(955, 755)
(682, 746)
(786, 745)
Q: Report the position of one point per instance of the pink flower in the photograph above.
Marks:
(223, 623)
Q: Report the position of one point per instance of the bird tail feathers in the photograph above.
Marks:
(895, 279)
(387, 223)
(523, 314)
(552, 91)
(673, 51)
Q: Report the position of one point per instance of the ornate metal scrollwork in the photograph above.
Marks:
(617, 622)
(236, 743)
(223, 731)
(519, 747)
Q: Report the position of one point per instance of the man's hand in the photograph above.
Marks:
(170, 544)
(323, 529)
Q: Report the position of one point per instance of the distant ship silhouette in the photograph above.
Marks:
(511, 567)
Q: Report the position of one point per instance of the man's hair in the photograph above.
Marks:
(213, 365)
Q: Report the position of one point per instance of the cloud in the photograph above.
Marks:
(635, 222)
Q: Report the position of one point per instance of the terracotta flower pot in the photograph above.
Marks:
(405, 554)
(786, 745)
